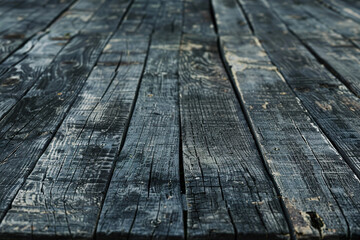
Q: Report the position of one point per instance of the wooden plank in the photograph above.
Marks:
(199, 20)
(8, 5)
(323, 42)
(141, 18)
(229, 193)
(229, 18)
(332, 106)
(315, 183)
(23, 68)
(20, 72)
(343, 8)
(145, 187)
(27, 21)
(340, 24)
(62, 196)
(107, 18)
(29, 126)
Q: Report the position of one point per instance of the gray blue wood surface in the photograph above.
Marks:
(179, 119)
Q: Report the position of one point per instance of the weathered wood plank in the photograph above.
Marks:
(340, 24)
(327, 45)
(8, 5)
(145, 187)
(20, 72)
(27, 20)
(229, 193)
(62, 196)
(333, 107)
(229, 18)
(315, 183)
(28, 127)
(141, 18)
(199, 20)
(343, 8)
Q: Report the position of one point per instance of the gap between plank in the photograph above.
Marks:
(238, 97)
(213, 19)
(126, 128)
(247, 118)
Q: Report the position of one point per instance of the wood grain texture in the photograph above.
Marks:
(21, 70)
(322, 95)
(343, 7)
(25, 20)
(199, 18)
(340, 24)
(229, 193)
(327, 45)
(28, 127)
(145, 187)
(315, 183)
(334, 108)
(229, 18)
(63, 194)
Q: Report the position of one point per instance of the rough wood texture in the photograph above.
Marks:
(229, 18)
(227, 193)
(198, 18)
(323, 42)
(29, 126)
(321, 94)
(21, 71)
(179, 119)
(343, 7)
(333, 106)
(145, 187)
(340, 24)
(295, 150)
(25, 20)
(70, 179)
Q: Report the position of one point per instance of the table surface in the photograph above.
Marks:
(179, 119)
